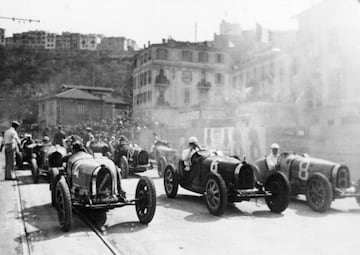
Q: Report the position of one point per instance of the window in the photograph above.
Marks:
(219, 78)
(203, 75)
(145, 78)
(43, 107)
(186, 95)
(203, 57)
(187, 56)
(145, 57)
(149, 95)
(149, 55)
(81, 108)
(149, 77)
(187, 76)
(219, 58)
(162, 54)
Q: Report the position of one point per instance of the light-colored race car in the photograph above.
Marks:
(320, 180)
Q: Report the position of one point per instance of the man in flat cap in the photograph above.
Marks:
(11, 143)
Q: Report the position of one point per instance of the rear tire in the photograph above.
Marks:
(279, 186)
(319, 193)
(216, 194)
(63, 205)
(357, 189)
(145, 196)
(171, 184)
(124, 165)
(34, 170)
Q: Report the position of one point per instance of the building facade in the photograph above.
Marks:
(174, 78)
(34, 39)
(79, 103)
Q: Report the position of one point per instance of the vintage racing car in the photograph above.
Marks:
(224, 179)
(131, 158)
(94, 182)
(163, 155)
(27, 154)
(100, 147)
(320, 180)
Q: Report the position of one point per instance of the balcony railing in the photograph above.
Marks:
(203, 84)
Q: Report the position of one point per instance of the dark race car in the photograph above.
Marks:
(100, 147)
(27, 154)
(163, 154)
(94, 183)
(320, 180)
(225, 179)
(131, 158)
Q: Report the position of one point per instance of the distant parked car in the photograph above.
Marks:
(322, 181)
(224, 179)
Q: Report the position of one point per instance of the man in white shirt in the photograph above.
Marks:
(193, 146)
(271, 159)
(11, 142)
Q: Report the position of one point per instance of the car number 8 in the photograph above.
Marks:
(214, 165)
(304, 170)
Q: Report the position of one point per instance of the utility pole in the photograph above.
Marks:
(20, 19)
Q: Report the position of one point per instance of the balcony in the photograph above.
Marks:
(204, 85)
(161, 81)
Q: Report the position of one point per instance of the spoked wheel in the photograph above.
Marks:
(171, 184)
(216, 194)
(34, 170)
(63, 205)
(161, 166)
(279, 187)
(124, 165)
(319, 193)
(145, 196)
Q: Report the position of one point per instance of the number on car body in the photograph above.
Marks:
(214, 165)
(304, 169)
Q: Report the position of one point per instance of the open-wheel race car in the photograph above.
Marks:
(163, 154)
(225, 179)
(320, 180)
(100, 147)
(131, 158)
(27, 154)
(94, 183)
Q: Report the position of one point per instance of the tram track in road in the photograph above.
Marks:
(98, 232)
(25, 242)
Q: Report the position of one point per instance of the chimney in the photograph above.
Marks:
(163, 40)
(148, 43)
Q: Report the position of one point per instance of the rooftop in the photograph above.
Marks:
(81, 87)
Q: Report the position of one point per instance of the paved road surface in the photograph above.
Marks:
(184, 226)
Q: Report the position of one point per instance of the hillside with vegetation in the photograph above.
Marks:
(27, 75)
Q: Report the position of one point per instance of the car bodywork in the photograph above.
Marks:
(222, 179)
(100, 147)
(94, 182)
(131, 158)
(320, 180)
(163, 155)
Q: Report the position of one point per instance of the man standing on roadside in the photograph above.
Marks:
(11, 142)
(59, 137)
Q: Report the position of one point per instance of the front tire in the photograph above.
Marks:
(216, 194)
(161, 166)
(53, 178)
(145, 196)
(63, 205)
(319, 193)
(34, 170)
(171, 184)
(124, 165)
(279, 186)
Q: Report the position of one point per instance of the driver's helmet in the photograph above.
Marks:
(77, 146)
(28, 137)
(46, 139)
(193, 140)
(274, 146)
